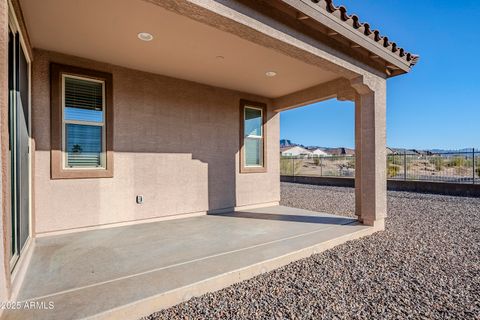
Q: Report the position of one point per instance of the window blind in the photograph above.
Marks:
(253, 152)
(84, 145)
(83, 94)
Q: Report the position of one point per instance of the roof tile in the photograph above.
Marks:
(341, 13)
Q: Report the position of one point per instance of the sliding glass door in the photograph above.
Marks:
(19, 138)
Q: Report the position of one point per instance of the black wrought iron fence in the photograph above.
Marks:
(455, 167)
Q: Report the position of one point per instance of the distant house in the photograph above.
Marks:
(341, 152)
(319, 152)
(408, 152)
(423, 152)
(294, 151)
(391, 151)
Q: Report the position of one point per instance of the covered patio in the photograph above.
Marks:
(131, 271)
(130, 114)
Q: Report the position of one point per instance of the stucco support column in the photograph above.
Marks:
(370, 149)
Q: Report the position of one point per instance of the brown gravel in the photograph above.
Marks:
(425, 265)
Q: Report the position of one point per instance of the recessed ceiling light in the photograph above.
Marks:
(270, 74)
(145, 36)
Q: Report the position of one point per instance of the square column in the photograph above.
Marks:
(370, 151)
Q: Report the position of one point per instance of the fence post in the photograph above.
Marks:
(473, 164)
(293, 168)
(405, 165)
(321, 166)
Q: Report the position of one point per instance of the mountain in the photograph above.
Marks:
(450, 151)
(286, 143)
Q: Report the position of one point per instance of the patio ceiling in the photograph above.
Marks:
(106, 30)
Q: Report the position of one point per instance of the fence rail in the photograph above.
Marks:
(454, 167)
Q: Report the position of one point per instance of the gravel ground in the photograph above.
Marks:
(425, 265)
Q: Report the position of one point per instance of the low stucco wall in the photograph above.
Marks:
(445, 188)
(176, 143)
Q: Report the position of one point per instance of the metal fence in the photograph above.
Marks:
(455, 167)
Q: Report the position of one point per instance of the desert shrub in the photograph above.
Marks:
(457, 162)
(393, 170)
(290, 166)
(409, 161)
(437, 162)
(316, 161)
(286, 166)
(351, 164)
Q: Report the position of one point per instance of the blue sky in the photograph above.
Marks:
(437, 105)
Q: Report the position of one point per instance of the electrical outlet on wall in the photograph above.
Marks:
(140, 199)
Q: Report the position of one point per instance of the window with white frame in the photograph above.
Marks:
(83, 122)
(253, 137)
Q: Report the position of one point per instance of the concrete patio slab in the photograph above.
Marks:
(131, 271)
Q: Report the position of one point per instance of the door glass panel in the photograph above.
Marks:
(23, 73)
(19, 138)
(22, 174)
(11, 141)
(22, 149)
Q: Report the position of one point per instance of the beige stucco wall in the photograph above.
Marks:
(176, 143)
(4, 185)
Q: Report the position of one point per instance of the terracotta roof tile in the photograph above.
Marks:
(341, 13)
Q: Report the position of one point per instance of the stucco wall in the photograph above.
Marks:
(175, 142)
(4, 185)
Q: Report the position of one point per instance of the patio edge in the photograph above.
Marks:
(171, 298)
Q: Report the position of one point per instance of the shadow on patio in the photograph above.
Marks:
(319, 219)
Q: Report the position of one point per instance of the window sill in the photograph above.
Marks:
(58, 172)
(253, 170)
(81, 174)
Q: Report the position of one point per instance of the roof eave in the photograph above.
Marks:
(395, 64)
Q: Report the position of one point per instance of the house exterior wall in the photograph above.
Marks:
(319, 152)
(296, 151)
(4, 186)
(175, 142)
